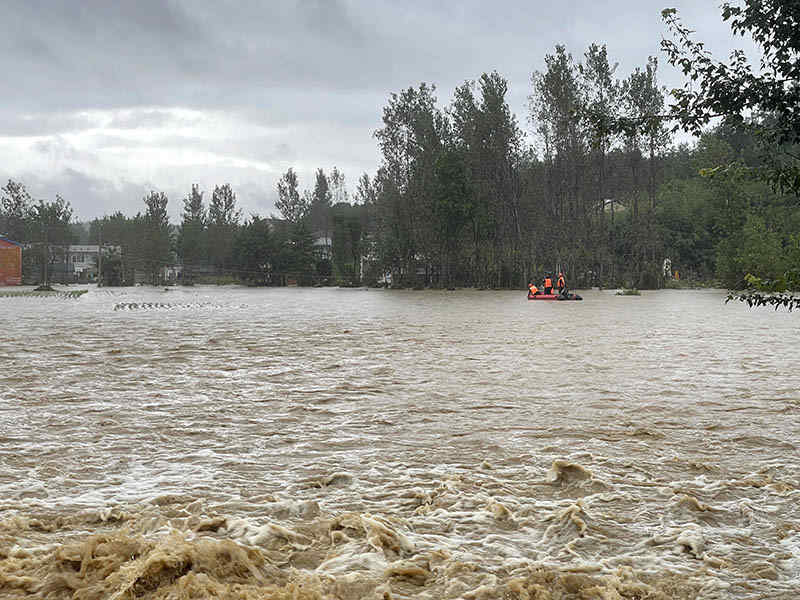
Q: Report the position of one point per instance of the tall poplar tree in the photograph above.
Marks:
(253, 251)
(223, 222)
(158, 234)
(320, 205)
(554, 104)
(50, 226)
(410, 141)
(192, 235)
(290, 204)
(296, 255)
(16, 208)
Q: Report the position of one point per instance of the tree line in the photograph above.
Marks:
(41, 223)
(594, 184)
(213, 242)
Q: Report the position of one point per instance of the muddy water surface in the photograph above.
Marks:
(291, 443)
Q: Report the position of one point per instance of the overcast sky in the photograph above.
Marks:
(103, 101)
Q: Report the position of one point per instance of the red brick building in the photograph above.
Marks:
(10, 262)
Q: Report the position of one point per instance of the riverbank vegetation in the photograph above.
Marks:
(596, 183)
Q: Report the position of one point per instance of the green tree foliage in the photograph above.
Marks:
(223, 223)
(643, 146)
(420, 143)
(254, 251)
(366, 196)
(320, 204)
(410, 141)
(127, 236)
(684, 221)
(601, 99)
(756, 248)
(16, 210)
(460, 198)
(495, 185)
(295, 256)
(157, 231)
(347, 242)
(762, 102)
(50, 227)
(295, 246)
(643, 98)
(733, 89)
(452, 209)
(566, 207)
(366, 191)
(46, 225)
(290, 204)
(192, 243)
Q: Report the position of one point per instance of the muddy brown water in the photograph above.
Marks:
(297, 443)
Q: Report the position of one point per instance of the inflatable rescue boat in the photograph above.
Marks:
(557, 297)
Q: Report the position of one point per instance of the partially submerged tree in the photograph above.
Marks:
(410, 141)
(295, 255)
(223, 223)
(254, 251)
(50, 226)
(157, 234)
(320, 203)
(192, 235)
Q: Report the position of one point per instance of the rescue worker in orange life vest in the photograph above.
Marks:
(532, 289)
(548, 284)
(561, 284)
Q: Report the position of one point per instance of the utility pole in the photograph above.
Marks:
(100, 257)
(45, 253)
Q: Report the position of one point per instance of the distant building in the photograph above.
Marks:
(10, 262)
(78, 262)
(82, 261)
(612, 204)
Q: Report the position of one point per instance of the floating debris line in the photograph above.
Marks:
(170, 306)
(72, 294)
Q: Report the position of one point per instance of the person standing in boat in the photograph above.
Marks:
(548, 284)
(561, 283)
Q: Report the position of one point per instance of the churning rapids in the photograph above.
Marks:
(343, 444)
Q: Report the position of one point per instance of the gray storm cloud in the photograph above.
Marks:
(106, 100)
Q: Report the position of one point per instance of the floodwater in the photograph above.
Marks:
(298, 443)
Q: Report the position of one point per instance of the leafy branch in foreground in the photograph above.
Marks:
(734, 89)
(770, 292)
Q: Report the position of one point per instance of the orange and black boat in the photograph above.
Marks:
(557, 297)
